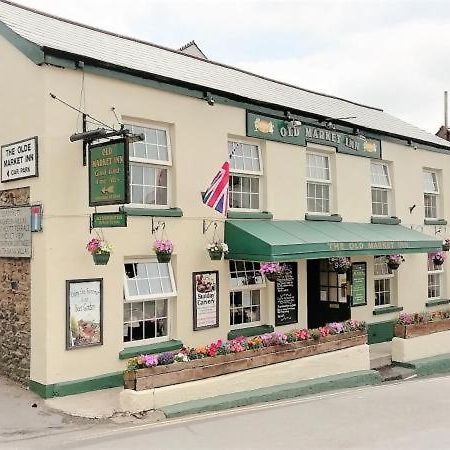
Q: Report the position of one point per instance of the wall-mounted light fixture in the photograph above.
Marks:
(292, 121)
(360, 135)
(329, 122)
(209, 98)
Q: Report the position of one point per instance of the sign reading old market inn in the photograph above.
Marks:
(265, 127)
(108, 173)
(19, 160)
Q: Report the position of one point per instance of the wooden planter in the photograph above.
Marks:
(176, 373)
(421, 329)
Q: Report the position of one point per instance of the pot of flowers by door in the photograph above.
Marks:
(394, 261)
(100, 251)
(163, 249)
(271, 270)
(216, 250)
(340, 264)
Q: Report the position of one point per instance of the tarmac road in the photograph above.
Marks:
(407, 415)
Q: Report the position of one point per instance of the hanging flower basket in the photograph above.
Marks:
(438, 258)
(100, 251)
(446, 245)
(101, 259)
(340, 264)
(394, 261)
(272, 271)
(216, 250)
(163, 257)
(163, 249)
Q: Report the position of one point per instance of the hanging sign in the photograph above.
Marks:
(359, 284)
(109, 219)
(19, 160)
(84, 314)
(15, 232)
(280, 130)
(108, 173)
(206, 299)
(286, 296)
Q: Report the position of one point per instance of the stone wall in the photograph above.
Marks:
(15, 303)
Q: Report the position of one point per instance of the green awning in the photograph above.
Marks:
(288, 240)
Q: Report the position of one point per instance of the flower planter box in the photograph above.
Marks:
(176, 373)
(421, 329)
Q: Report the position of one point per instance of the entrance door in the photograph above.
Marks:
(327, 294)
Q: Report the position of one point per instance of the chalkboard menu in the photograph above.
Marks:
(359, 284)
(286, 296)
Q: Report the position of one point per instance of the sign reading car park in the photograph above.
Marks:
(20, 160)
(15, 232)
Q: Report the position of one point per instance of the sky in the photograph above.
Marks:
(391, 54)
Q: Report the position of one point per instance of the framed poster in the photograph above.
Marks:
(205, 286)
(286, 296)
(19, 160)
(84, 313)
(108, 173)
(359, 284)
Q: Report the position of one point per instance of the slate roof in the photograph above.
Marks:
(124, 52)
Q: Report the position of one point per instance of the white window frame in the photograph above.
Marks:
(388, 189)
(435, 194)
(143, 298)
(439, 271)
(248, 173)
(390, 275)
(328, 182)
(156, 163)
(261, 287)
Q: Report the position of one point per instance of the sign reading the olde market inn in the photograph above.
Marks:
(282, 130)
(20, 160)
(15, 232)
(108, 173)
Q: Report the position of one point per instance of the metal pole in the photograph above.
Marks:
(446, 109)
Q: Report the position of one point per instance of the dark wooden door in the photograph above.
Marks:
(327, 297)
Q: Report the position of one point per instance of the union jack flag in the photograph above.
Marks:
(217, 194)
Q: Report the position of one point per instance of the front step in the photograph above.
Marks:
(380, 355)
(379, 361)
(395, 373)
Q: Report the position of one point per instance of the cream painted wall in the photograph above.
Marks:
(199, 135)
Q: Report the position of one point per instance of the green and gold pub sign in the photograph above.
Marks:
(108, 173)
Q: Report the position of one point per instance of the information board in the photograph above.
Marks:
(15, 232)
(286, 296)
(359, 284)
(206, 299)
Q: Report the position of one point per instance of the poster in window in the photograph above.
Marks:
(206, 299)
(84, 313)
(359, 284)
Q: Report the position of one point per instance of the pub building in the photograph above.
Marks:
(312, 177)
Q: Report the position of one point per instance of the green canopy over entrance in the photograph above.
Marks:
(289, 240)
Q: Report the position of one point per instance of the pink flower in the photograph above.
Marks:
(163, 246)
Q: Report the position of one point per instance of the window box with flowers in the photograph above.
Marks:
(419, 324)
(240, 354)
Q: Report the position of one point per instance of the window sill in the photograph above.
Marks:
(385, 220)
(249, 215)
(436, 301)
(160, 347)
(250, 331)
(324, 217)
(387, 310)
(156, 212)
(435, 222)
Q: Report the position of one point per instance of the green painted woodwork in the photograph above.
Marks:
(109, 219)
(436, 301)
(31, 50)
(324, 217)
(380, 331)
(435, 222)
(160, 212)
(250, 331)
(105, 381)
(387, 310)
(274, 393)
(290, 240)
(161, 347)
(385, 220)
(249, 215)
